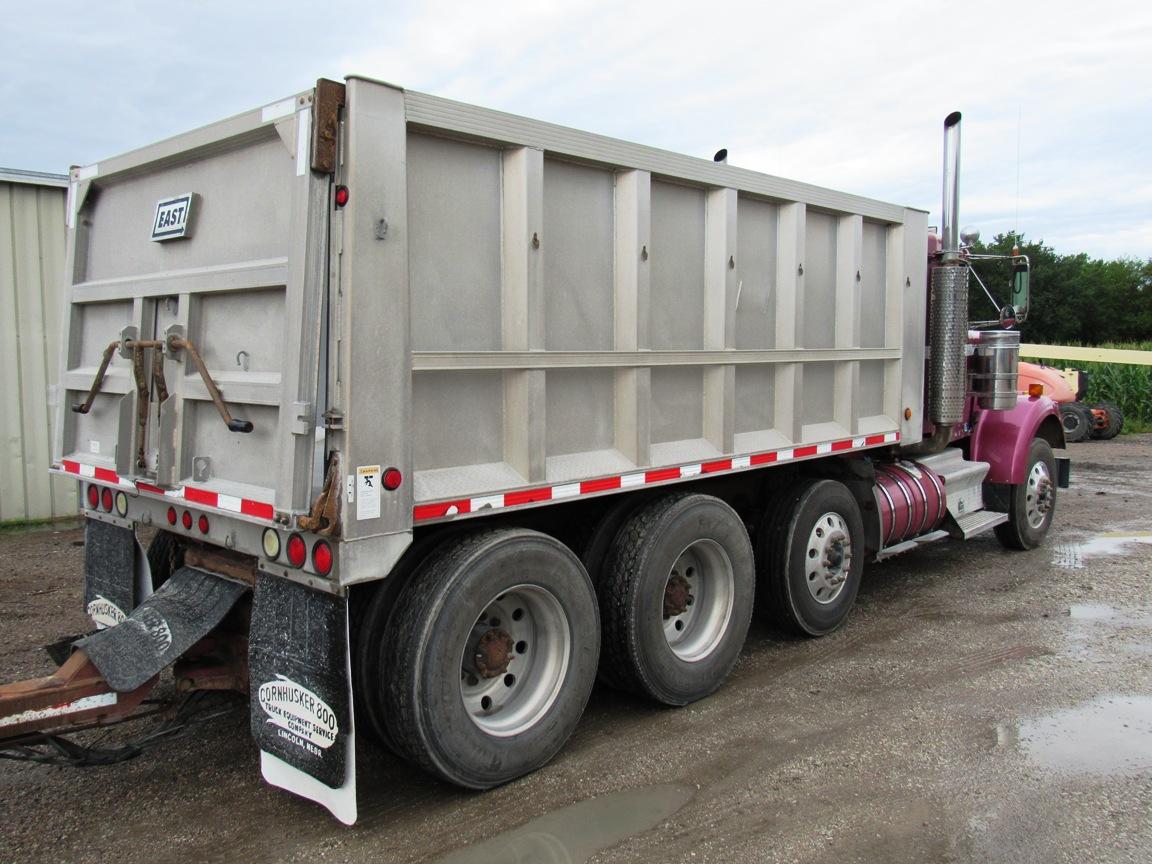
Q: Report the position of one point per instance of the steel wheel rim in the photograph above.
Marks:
(697, 630)
(828, 558)
(517, 696)
(1038, 495)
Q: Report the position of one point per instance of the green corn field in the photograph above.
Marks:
(1127, 385)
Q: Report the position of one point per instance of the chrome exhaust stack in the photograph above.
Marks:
(950, 233)
(948, 302)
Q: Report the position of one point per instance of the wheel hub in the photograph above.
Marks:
(677, 596)
(829, 558)
(698, 599)
(526, 624)
(1039, 495)
(494, 651)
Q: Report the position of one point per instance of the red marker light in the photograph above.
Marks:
(186, 520)
(93, 497)
(322, 557)
(341, 196)
(106, 499)
(171, 515)
(202, 524)
(392, 479)
(297, 550)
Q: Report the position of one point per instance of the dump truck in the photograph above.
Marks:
(437, 415)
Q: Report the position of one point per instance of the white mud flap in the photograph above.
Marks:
(301, 685)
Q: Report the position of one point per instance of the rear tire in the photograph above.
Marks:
(676, 599)
(165, 557)
(595, 550)
(1113, 421)
(1031, 504)
(368, 659)
(810, 557)
(490, 657)
(1077, 420)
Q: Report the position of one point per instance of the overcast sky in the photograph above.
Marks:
(849, 95)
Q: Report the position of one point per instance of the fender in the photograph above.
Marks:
(1003, 438)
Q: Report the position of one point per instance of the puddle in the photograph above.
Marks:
(576, 833)
(1100, 632)
(1091, 612)
(1072, 555)
(1111, 735)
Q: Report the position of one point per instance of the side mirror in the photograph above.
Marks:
(1020, 287)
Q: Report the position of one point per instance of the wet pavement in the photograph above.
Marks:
(980, 705)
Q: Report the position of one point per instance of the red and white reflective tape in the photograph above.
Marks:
(189, 494)
(435, 510)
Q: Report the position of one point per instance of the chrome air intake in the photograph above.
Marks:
(948, 302)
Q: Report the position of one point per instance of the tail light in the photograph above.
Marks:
(171, 515)
(93, 497)
(297, 550)
(392, 479)
(322, 557)
(202, 524)
(186, 520)
(106, 499)
(341, 196)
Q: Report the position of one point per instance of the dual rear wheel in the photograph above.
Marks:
(479, 667)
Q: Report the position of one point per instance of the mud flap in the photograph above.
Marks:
(301, 707)
(109, 573)
(184, 610)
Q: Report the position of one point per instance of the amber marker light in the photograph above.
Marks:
(1035, 390)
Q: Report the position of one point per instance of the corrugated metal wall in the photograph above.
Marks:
(31, 305)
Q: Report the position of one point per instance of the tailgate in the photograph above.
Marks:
(211, 243)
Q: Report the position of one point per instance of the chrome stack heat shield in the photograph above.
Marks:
(948, 326)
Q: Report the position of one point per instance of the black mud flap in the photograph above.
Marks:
(1063, 472)
(302, 694)
(112, 581)
(185, 609)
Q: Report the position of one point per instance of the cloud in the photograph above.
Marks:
(846, 95)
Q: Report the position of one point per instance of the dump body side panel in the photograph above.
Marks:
(589, 315)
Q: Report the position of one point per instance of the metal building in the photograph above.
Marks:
(31, 279)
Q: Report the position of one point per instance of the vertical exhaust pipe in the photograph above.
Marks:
(948, 303)
(951, 198)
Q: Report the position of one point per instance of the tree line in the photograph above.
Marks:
(1076, 299)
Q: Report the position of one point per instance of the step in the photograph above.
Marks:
(971, 524)
(907, 545)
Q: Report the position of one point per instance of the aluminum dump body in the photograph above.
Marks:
(506, 311)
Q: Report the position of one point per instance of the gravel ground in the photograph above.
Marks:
(980, 705)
